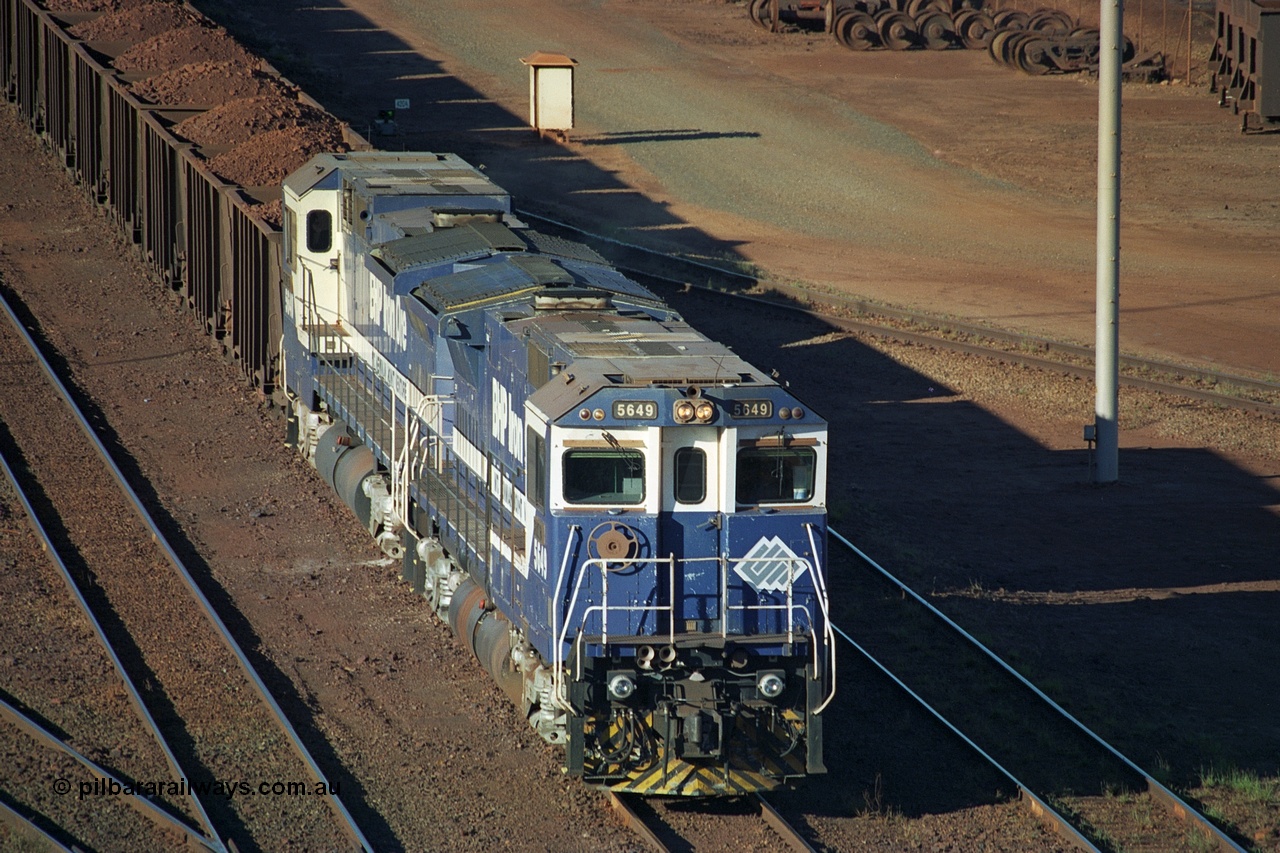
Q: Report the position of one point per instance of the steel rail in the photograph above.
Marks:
(146, 807)
(24, 824)
(1085, 371)
(209, 838)
(1038, 806)
(224, 634)
(635, 823)
(772, 818)
(785, 830)
(1176, 804)
(1020, 339)
(948, 325)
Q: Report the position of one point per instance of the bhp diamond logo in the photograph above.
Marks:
(769, 565)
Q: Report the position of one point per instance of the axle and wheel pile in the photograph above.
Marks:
(1041, 42)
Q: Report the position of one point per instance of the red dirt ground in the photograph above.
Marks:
(944, 183)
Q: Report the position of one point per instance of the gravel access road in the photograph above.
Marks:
(937, 180)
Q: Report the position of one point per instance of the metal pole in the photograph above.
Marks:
(1164, 27)
(1107, 404)
(1189, 14)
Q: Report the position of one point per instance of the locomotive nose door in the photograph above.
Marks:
(691, 522)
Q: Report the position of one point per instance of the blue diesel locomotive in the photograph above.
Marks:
(623, 520)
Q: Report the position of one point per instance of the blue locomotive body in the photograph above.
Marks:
(624, 520)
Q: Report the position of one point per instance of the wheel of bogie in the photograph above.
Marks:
(841, 19)
(1084, 43)
(1032, 55)
(937, 32)
(1038, 19)
(974, 28)
(857, 31)
(758, 11)
(1009, 49)
(999, 48)
(1010, 19)
(1018, 19)
(978, 31)
(897, 31)
(996, 45)
(1050, 22)
(916, 8)
(1127, 51)
(1068, 23)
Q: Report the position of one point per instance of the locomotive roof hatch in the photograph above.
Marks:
(486, 283)
(460, 242)
(481, 277)
(608, 350)
(384, 173)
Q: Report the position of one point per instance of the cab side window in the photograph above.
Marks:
(781, 475)
(604, 476)
(536, 473)
(319, 231)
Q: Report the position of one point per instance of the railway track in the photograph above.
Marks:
(933, 338)
(199, 831)
(239, 776)
(659, 830)
(1077, 789)
(1220, 388)
(1067, 776)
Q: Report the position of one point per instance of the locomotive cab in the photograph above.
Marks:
(692, 519)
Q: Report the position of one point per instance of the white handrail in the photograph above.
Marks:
(402, 471)
(560, 631)
(560, 628)
(557, 654)
(821, 587)
(392, 457)
(724, 595)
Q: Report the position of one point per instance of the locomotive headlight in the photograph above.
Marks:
(797, 413)
(621, 686)
(770, 684)
(684, 412)
(704, 411)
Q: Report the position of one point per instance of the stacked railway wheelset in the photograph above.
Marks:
(1041, 42)
(1043, 50)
